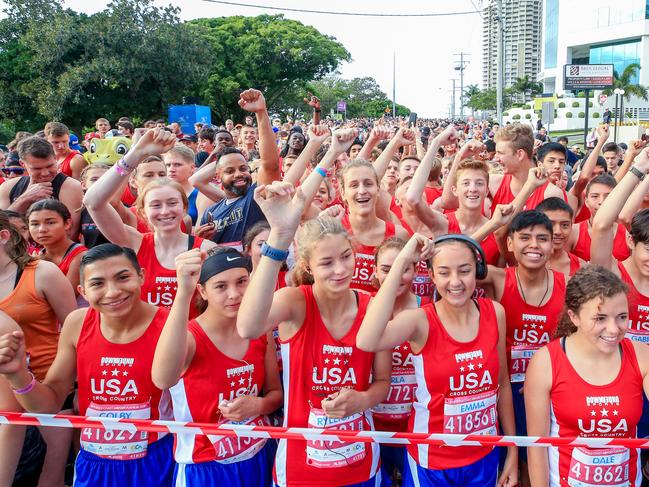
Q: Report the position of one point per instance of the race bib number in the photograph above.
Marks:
(398, 405)
(599, 466)
(471, 414)
(116, 444)
(232, 449)
(521, 355)
(327, 454)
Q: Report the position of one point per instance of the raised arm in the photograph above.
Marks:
(377, 134)
(253, 101)
(587, 169)
(635, 147)
(401, 138)
(176, 347)
(633, 203)
(419, 180)
(379, 331)
(602, 236)
(202, 179)
(97, 198)
(317, 134)
(261, 309)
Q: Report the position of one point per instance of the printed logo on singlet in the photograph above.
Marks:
(166, 290)
(639, 330)
(336, 372)
(114, 380)
(472, 375)
(240, 383)
(533, 330)
(364, 269)
(603, 416)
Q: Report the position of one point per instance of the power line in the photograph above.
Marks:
(355, 14)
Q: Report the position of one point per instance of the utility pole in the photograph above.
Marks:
(499, 62)
(453, 98)
(461, 64)
(394, 83)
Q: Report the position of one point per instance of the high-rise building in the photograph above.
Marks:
(594, 32)
(522, 40)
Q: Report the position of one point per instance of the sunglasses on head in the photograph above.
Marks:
(12, 170)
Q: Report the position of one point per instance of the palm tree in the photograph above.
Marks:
(469, 92)
(624, 82)
(524, 85)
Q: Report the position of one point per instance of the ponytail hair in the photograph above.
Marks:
(16, 246)
(589, 282)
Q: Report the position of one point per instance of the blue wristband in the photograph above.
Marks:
(321, 171)
(273, 253)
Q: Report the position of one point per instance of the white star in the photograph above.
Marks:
(167, 288)
(159, 288)
(533, 325)
(114, 372)
(326, 361)
(104, 372)
(604, 412)
(125, 373)
(615, 412)
(405, 347)
(479, 366)
(593, 413)
(462, 369)
(336, 361)
(232, 384)
(471, 366)
(242, 381)
(346, 362)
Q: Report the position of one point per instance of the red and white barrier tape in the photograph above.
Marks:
(436, 439)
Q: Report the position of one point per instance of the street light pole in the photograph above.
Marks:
(499, 63)
(621, 105)
(617, 99)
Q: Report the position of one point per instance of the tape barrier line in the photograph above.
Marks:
(315, 434)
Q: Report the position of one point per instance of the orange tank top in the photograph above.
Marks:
(36, 318)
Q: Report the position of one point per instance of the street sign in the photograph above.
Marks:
(547, 114)
(587, 76)
(342, 106)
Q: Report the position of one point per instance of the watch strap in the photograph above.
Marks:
(273, 253)
(637, 172)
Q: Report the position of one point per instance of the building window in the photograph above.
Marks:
(619, 55)
(552, 33)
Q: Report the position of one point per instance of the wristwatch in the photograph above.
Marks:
(637, 172)
(273, 253)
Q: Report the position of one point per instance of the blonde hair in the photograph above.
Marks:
(354, 164)
(16, 246)
(472, 165)
(310, 233)
(159, 183)
(519, 136)
(182, 151)
(91, 167)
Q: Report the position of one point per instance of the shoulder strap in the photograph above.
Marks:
(190, 242)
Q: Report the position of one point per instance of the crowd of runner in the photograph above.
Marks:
(438, 276)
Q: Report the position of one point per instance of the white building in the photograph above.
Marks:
(522, 36)
(593, 32)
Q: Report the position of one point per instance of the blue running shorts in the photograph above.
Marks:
(482, 473)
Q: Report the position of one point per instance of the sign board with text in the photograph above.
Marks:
(342, 106)
(587, 76)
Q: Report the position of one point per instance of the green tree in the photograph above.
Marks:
(526, 87)
(470, 91)
(132, 58)
(625, 83)
(273, 54)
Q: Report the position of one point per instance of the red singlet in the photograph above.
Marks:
(608, 411)
(75, 250)
(115, 382)
(64, 165)
(621, 250)
(505, 196)
(489, 244)
(160, 283)
(638, 309)
(364, 257)
(457, 389)
(316, 365)
(226, 379)
(574, 264)
(529, 327)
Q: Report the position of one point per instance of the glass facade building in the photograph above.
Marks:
(618, 54)
(551, 33)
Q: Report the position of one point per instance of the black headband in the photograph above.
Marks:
(222, 261)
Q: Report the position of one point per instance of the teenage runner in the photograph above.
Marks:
(163, 202)
(328, 382)
(180, 164)
(458, 352)
(108, 349)
(588, 383)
